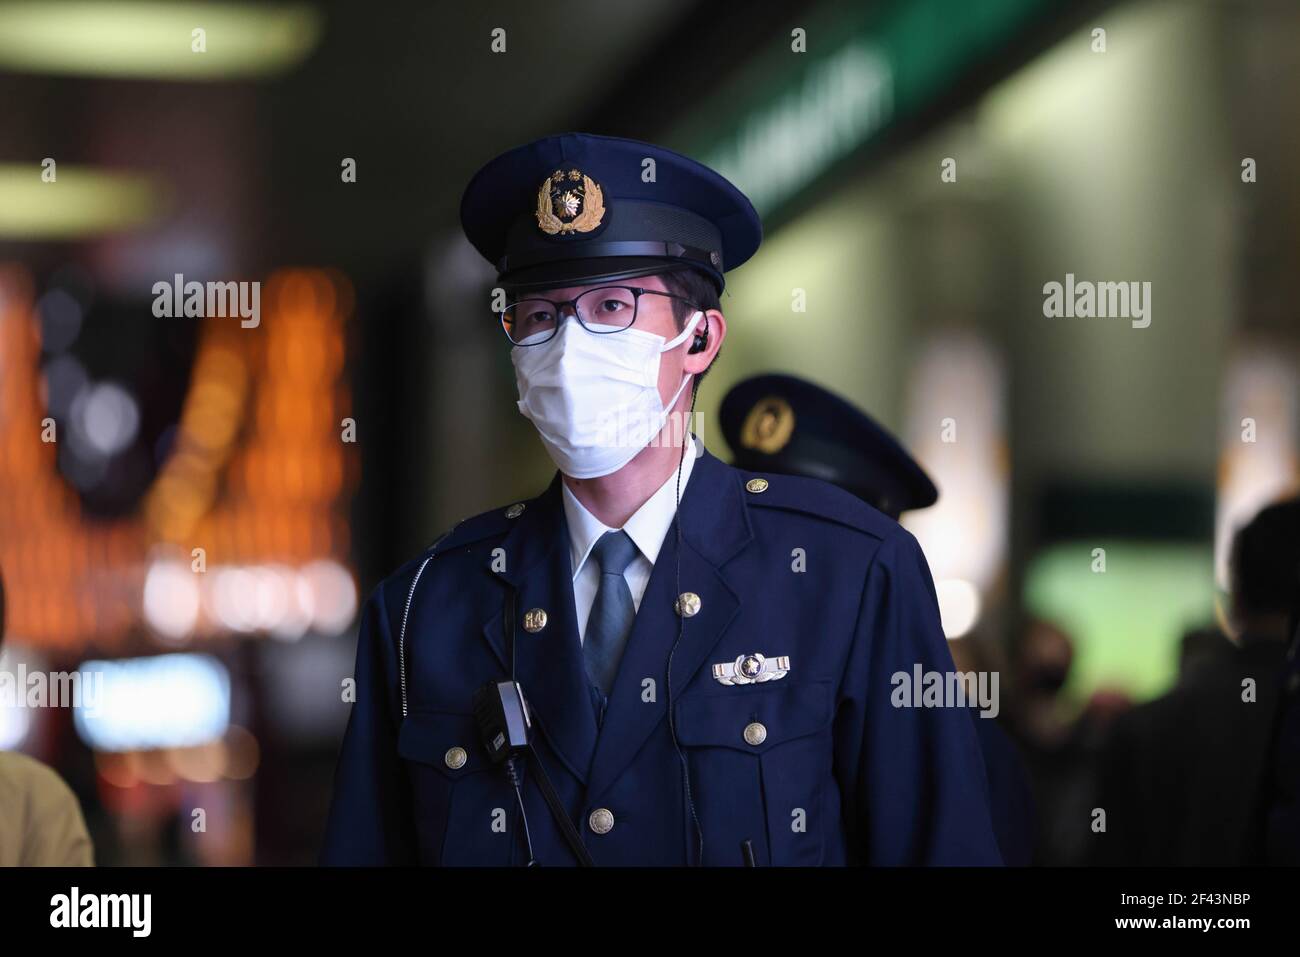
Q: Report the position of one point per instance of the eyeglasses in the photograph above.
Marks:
(602, 311)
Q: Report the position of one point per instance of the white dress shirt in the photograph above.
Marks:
(647, 528)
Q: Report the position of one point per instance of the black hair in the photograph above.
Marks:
(1265, 561)
(697, 287)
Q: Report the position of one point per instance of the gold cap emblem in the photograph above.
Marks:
(569, 202)
(768, 426)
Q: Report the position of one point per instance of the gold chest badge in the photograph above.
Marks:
(768, 426)
(569, 202)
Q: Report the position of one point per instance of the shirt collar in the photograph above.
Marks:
(647, 527)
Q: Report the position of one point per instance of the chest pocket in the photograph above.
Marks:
(760, 764)
(464, 808)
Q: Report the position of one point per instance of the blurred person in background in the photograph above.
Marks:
(1015, 811)
(40, 820)
(1180, 774)
(1201, 649)
(788, 425)
(1276, 838)
(1057, 744)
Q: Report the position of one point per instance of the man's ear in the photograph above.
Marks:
(716, 324)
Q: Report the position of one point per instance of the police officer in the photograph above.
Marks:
(705, 651)
(788, 425)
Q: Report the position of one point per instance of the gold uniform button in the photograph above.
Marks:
(514, 511)
(687, 604)
(601, 820)
(534, 620)
(755, 734)
(455, 758)
(756, 485)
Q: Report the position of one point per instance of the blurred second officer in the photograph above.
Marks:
(706, 652)
(788, 425)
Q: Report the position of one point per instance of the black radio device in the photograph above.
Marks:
(505, 726)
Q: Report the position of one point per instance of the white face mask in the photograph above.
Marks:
(595, 398)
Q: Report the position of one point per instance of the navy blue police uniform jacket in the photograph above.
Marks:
(801, 569)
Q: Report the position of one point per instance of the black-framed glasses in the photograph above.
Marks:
(601, 311)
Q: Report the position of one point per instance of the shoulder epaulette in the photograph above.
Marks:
(478, 527)
(814, 497)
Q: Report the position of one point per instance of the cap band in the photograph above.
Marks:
(711, 259)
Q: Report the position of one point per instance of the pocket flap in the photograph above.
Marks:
(785, 711)
(429, 737)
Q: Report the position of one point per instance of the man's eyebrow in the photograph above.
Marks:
(554, 294)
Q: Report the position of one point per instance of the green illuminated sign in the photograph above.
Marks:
(790, 116)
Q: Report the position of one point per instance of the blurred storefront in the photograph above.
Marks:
(182, 510)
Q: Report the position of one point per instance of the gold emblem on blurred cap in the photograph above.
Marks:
(768, 426)
(569, 202)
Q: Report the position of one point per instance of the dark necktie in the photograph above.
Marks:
(612, 612)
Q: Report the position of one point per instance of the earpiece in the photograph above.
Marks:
(701, 340)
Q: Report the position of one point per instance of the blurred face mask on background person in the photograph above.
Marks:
(594, 396)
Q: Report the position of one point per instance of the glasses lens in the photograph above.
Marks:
(529, 321)
(607, 309)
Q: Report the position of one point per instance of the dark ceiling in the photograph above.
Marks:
(411, 91)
